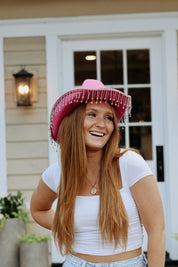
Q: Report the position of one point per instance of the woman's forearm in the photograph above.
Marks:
(156, 249)
(44, 218)
(41, 205)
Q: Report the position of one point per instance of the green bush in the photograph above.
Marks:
(30, 238)
(11, 206)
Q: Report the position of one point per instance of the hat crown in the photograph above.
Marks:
(92, 84)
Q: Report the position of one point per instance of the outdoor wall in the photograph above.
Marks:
(11, 9)
(26, 127)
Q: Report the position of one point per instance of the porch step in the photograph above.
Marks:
(169, 262)
(56, 264)
(173, 263)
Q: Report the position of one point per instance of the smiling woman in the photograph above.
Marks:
(104, 194)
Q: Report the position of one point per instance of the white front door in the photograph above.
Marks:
(132, 65)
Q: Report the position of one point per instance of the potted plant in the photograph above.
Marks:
(33, 250)
(12, 223)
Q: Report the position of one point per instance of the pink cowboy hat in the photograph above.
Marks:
(90, 90)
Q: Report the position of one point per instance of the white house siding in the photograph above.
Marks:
(26, 127)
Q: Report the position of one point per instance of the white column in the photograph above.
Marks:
(170, 118)
(3, 167)
(54, 82)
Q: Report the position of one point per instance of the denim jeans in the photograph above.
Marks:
(72, 261)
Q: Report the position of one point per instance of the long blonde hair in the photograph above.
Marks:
(113, 220)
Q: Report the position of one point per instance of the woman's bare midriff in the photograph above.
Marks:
(110, 258)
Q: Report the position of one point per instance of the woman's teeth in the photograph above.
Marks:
(97, 134)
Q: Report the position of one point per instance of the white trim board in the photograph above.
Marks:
(170, 95)
(146, 22)
(3, 171)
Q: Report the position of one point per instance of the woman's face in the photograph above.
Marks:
(98, 125)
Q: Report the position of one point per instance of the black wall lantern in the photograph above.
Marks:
(23, 88)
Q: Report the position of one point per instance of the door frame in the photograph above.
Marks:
(168, 185)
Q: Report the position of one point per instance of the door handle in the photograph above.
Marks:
(160, 163)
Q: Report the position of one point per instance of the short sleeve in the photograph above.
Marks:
(51, 176)
(135, 167)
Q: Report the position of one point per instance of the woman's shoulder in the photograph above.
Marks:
(130, 154)
(53, 167)
(131, 157)
(133, 165)
(51, 176)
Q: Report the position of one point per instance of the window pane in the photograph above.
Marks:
(111, 67)
(141, 139)
(138, 66)
(122, 137)
(120, 89)
(84, 68)
(141, 104)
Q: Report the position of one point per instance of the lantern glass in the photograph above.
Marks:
(23, 90)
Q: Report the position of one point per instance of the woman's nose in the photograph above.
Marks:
(100, 122)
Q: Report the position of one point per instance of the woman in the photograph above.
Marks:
(104, 194)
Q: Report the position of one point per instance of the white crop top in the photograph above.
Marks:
(87, 238)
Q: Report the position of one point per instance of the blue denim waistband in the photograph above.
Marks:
(72, 261)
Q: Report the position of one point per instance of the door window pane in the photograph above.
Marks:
(141, 105)
(84, 66)
(138, 66)
(141, 139)
(111, 67)
(122, 137)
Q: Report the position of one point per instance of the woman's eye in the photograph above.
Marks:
(91, 115)
(109, 118)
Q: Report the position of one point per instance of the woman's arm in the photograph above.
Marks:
(41, 205)
(149, 204)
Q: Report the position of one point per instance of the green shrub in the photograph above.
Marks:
(30, 238)
(11, 206)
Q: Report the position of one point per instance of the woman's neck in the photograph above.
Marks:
(93, 163)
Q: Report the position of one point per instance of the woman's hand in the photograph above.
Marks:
(147, 198)
(41, 205)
